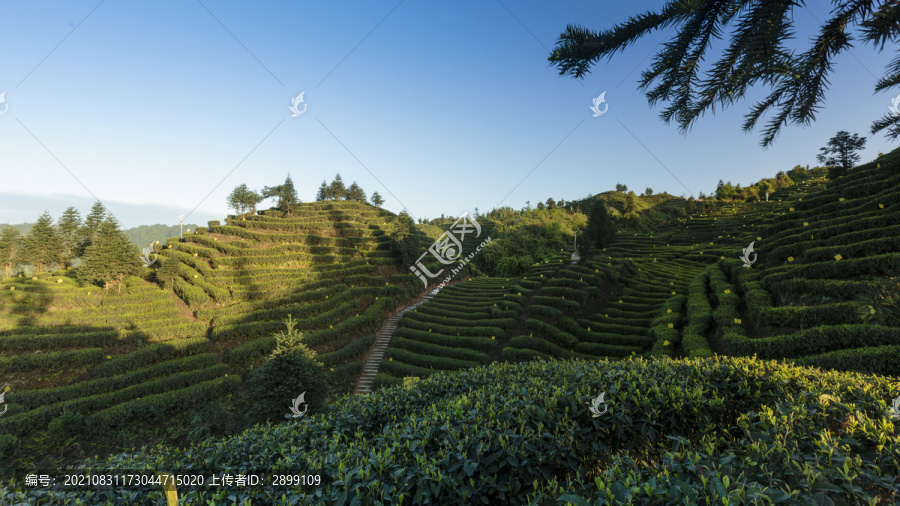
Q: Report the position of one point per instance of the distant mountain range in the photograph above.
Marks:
(142, 236)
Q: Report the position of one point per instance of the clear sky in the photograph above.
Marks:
(162, 108)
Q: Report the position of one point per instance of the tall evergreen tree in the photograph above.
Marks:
(91, 226)
(291, 370)
(356, 193)
(840, 154)
(756, 54)
(288, 201)
(10, 247)
(324, 192)
(338, 190)
(291, 201)
(378, 200)
(600, 230)
(110, 258)
(42, 245)
(68, 226)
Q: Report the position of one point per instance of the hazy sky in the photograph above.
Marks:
(162, 108)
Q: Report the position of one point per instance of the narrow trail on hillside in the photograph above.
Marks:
(385, 336)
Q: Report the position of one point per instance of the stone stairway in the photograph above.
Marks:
(379, 348)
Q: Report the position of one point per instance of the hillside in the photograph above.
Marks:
(707, 365)
(137, 364)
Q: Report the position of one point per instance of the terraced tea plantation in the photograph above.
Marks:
(129, 361)
(488, 391)
(331, 269)
(116, 359)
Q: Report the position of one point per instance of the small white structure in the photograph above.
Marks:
(576, 257)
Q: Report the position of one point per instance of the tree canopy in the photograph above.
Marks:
(286, 194)
(90, 227)
(841, 152)
(110, 258)
(356, 193)
(756, 55)
(338, 190)
(42, 246)
(68, 226)
(243, 199)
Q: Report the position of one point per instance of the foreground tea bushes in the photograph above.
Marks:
(523, 434)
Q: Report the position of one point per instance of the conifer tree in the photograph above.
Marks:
(110, 258)
(600, 230)
(10, 246)
(356, 193)
(68, 226)
(42, 245)
(290, 201)
(91, 226)
(324, 192)
(290, 371)
(756, 54)
(840, 154)
(378, 200)
(338, 190)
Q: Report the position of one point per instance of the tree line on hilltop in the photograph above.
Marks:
(244, 200)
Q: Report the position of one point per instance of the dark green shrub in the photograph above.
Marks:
(68, 424)
(216, 419)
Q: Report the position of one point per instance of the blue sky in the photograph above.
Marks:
(161, 109)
